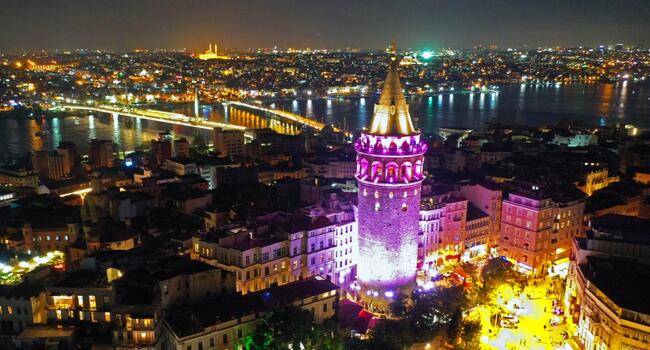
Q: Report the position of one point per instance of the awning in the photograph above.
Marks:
(561, 261)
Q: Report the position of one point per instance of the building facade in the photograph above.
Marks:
(526, 226)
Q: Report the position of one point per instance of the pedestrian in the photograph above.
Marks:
(544, 327)
(544, 308)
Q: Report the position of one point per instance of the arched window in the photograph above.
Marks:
(406, 172)
(377, 171)
(391, 172)
(418, 168)
(363, 168)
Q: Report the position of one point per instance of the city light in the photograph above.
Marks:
(12, 272)
(427, 55)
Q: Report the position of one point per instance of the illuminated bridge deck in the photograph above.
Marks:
(284, 115)
(181, 119)
(158, 116)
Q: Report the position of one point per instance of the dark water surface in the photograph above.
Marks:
(530, 105)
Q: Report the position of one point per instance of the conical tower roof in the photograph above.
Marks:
(391, 115)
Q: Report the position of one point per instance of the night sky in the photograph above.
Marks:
(191, 24)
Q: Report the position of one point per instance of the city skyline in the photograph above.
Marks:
(120, 25)
(387, 175)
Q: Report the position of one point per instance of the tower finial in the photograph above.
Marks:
(391, 115)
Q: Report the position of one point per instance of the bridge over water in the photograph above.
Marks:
(182, 119)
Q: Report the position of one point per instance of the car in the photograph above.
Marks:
(507, 324)
(510, 318)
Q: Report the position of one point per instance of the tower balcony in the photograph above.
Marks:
(380, 145)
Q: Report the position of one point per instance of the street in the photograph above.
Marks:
(538, 327)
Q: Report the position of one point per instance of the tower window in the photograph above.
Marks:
(377, 206)
(404, 207)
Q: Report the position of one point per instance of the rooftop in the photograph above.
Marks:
(167, 267)
(620, 228)
(474, 213)
(621, 280)
(247, 243)
(81, 278)
(195, 318)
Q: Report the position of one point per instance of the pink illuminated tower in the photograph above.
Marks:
(389, 174)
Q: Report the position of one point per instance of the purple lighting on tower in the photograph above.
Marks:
(389, 173)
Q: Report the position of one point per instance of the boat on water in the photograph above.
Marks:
(41, 134)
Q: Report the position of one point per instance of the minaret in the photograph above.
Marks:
(390, 159)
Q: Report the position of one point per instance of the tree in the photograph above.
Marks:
(391, 335)
(432, 312)
(399, 305)
(498, 271)
(453, 328)
(280, 329)
(293, 328)
(471, 270)
(470, 332)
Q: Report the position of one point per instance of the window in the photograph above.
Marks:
(189, 347)
(107, 316)
(239, 333)
(211, 342)
(200, 345)
(80, 300)
(225, 338)
(324, 307)
(93, 302)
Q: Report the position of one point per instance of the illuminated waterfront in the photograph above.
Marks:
(530, 105)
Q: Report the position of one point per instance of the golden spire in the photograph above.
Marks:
(391, 115)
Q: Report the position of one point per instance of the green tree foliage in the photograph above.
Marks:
(293, 328)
